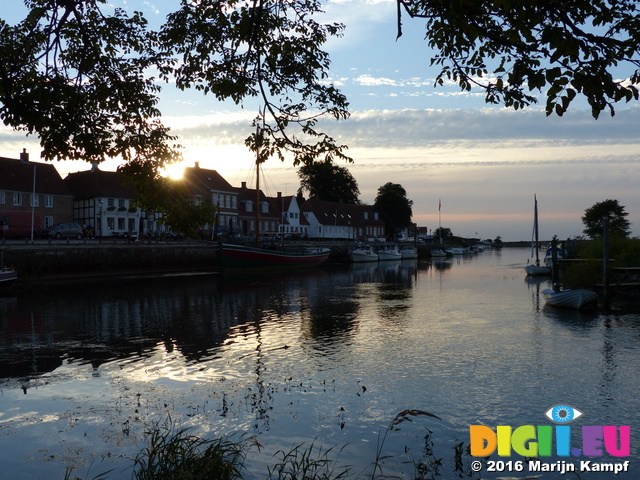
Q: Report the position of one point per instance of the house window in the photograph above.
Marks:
(2, 198)
(227, 201)
(121, 203)
(121, 223)
(34, 200)
(111, 223)
(111, 202)
(17, 199)
(249, 207)
(265, 208)
(48, 221)
(48, 201)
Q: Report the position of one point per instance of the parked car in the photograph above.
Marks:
(63, 230)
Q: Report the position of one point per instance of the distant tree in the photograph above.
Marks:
(594, 216)
(394, 208)
(443, 233)
(328, 181)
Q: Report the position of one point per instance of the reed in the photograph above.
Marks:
(173, 453)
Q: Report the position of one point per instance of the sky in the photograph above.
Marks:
(483, 164)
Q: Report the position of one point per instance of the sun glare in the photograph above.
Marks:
(175, 170)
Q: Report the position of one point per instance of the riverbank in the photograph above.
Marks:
(55, 261)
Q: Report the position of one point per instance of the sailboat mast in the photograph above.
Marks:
(258, 142)
(535, 228)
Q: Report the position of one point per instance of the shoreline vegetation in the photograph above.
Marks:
(173, 453)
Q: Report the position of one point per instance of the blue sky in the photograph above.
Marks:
(484, 163)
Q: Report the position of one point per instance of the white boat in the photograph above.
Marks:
(389, 253)
(7, 276)
(571, 298)
(456, 251)
(408, 252)
(438, 252)
(363, 254)
(535, 268)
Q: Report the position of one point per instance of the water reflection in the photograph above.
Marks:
(328, 354)
(194, 316)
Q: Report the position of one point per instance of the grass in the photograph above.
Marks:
(625, 252)
(174, 454)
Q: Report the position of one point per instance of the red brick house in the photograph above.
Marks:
(206, 185)
(27, 186)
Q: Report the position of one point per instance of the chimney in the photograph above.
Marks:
(24, 156)
(244, 185)
(279, 195)
(197, 164)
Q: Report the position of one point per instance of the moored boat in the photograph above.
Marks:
(408, 252)
(243, 257)
(7, 276)
(363, 254)
(389, 253)
(535, 269)
(571, 298)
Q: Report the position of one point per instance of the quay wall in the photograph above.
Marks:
(78, 260)
(37, 263)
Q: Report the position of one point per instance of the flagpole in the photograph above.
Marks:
(440, 220)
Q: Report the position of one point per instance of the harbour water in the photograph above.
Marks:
(327, 358)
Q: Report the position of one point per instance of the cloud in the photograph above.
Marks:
(368, 81)
(412, 128)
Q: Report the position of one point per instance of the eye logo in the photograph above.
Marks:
(562, 414)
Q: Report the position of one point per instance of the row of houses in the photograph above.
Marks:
(101, 200)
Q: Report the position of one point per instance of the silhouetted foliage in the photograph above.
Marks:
(511, 48)
(328, 181)
(394, 208)
(594, 216)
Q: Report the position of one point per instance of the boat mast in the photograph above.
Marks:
(535, 228)
(258, 143)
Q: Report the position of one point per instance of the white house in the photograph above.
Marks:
(338, 220)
